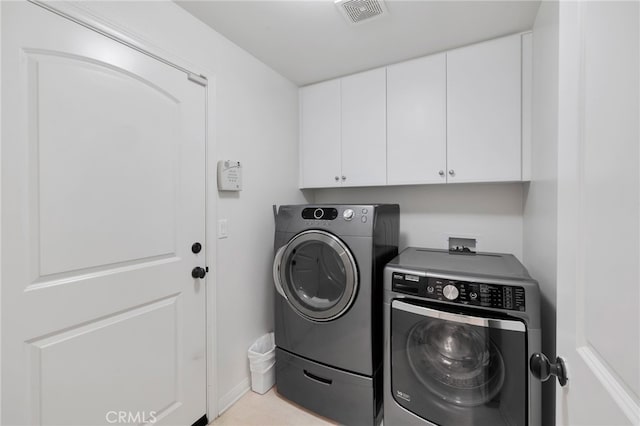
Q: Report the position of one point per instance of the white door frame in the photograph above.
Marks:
(83, 15)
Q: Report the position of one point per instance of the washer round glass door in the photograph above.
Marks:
(458, 368)
(317, 274)
(457, 362)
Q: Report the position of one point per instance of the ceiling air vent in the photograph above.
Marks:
(356, 11)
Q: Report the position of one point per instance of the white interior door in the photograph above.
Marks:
(598, 218)
(103, 172)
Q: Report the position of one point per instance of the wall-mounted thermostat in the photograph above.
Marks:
(229, 175)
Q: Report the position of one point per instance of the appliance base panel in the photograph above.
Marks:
(347, 398)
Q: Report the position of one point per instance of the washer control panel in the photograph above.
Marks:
(463, 292)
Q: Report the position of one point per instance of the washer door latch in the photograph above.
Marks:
(543, 369)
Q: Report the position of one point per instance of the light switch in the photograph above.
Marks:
(223, 231)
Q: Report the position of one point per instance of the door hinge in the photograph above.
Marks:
(198, 79)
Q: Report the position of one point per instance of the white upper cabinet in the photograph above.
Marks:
(457, 116)
(417, 121)
(320, 163)
(343, 132)
(484, 112)
(364, 129)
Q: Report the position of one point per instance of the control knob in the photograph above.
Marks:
(348, 214)
(450, 292)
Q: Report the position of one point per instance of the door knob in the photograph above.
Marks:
(441, 172)
(198, 272)
(543, 369)
(452, 172)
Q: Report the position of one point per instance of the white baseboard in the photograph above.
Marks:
(234, 395)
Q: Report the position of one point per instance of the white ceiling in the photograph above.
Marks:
(309, 40)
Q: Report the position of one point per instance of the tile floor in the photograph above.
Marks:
(269, 409)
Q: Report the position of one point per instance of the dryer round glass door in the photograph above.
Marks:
(318, 275)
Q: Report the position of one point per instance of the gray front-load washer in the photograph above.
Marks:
(459, 332)
(328, 306)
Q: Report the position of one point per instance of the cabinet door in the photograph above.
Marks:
(364, 136)
(320, 135)
(484, 112)
(416, 121)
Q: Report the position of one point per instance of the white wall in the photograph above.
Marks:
(540, 207)
(258, 126)
(492, 213)
(256, 122)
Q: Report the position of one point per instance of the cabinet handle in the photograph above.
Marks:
(337, 178)
(441, 172)
(452, 172)
(344, 178)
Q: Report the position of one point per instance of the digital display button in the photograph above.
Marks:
(319, 213)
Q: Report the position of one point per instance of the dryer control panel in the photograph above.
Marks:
(463, 292)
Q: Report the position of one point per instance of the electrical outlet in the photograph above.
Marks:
(223, 229)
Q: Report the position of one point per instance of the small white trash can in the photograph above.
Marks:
(262, 359)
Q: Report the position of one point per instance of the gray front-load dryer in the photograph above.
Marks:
(327, 272)
(459, 333)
